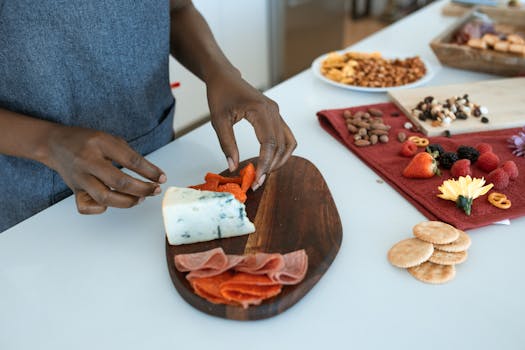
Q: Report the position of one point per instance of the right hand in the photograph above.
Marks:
(84, 158)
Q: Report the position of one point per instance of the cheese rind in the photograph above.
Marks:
(195, 216)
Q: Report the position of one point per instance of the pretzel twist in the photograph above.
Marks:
(419, 141)
(499, 200)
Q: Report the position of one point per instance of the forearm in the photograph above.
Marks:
(193, 44)
(23, 136)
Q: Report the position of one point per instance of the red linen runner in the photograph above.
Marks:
(385, 160)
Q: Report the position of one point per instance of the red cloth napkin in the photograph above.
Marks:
(385, 160)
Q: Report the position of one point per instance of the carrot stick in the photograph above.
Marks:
(248, 177)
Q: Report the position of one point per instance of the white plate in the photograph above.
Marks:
(316, 68)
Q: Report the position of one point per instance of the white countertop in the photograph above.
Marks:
(101, 282)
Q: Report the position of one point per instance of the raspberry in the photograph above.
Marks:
(467, 152)
(461, 168)
(499, 178)
(447, 159)
(511, 169)
(483, 148)
(409, 149)
(488, 161)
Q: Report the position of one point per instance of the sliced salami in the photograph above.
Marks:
(261, 263)
(241, 279)
(206, 264)
(294, 270)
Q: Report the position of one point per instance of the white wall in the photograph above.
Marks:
(241, 29)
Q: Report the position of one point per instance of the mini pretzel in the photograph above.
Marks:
(499, 200)
(419, 141)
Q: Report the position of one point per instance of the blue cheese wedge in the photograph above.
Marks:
(195, 216)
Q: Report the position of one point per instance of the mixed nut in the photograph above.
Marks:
(367, 127)
(371, 69)
(444, 113)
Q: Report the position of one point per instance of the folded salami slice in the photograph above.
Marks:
(261, 263)
(206, 264)
(294, 270)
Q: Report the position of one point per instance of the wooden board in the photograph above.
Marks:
(292, 210)
(488, 61)
(503, 98)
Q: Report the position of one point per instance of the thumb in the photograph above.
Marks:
(224, 131)
(86, 204)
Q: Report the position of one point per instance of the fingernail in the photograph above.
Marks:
(157, 190)
(162, 178)
(141, 199)
(231, 164)
(259, 183)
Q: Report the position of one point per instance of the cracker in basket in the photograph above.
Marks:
(446, 258)
(436, 232)
(433, 273)
(461, 244)
(410, 252)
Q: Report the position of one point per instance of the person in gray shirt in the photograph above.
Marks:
(84, 92)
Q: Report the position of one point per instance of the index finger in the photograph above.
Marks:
(266, 156)
(123, 154)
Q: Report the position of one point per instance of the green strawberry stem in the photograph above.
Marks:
(464, 203)
(435, 163)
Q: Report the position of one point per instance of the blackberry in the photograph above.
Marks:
(435, 147)
(447, 159)
(466, 152)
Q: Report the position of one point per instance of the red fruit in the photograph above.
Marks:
(483, 148)
(488, 161)
(408, 149)
(461, 168)
(499, 178)
(422, 166)
(511, 169)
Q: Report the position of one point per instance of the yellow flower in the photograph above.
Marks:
(463, 191)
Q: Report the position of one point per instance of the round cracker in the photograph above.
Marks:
(461, 244)
(448, 258)
(436, 232)
(410, 252)
(429, 272)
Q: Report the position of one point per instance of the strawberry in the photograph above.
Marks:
(422, 166)
(488, 161)
(511, 169)
(499, 178)
(461, 168)
(483, 147)
(408, 149)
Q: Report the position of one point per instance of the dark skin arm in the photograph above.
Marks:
(83, 158)
(230, 98)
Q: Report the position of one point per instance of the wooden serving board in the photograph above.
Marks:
(292, 210)
(503, 98)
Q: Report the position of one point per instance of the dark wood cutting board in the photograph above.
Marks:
(292, 210)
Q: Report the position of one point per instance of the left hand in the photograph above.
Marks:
(231, 99)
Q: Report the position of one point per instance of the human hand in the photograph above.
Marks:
(231, 99)
(83, 157)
